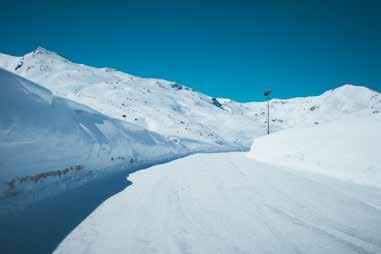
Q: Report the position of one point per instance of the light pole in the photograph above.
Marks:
(267, 93)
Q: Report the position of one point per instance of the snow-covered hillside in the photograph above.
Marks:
(44, 138)
(348, 149)
(165, 107)
(330, 106)
(177, 111)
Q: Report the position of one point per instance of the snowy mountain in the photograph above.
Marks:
(165, 107)
(330, 106)
(62, 124)
(44, 138)
(177, 111)
(141, 120)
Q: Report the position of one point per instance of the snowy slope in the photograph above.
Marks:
(330, 106)
(165, 107)
(44, 139)
(348, 149)
(178, 111)
(228, 203)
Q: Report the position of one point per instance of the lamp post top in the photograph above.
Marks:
(267, 92)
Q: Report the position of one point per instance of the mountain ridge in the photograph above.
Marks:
(177, 111)
(43, 50)
(112, 119)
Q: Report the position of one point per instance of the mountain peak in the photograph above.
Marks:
(41, 50)
(43, 54)
(354, 92)
(349, 88)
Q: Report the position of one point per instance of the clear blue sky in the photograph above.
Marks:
(222, 48)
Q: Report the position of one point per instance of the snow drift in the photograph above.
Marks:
(44, 139)
(348, 149)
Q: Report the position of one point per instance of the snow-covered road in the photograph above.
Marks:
(228, 203)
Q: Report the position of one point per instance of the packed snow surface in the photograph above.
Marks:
(349, 149)
(229, 203)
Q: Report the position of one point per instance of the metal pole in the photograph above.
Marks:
(268, 115)
(267, 94)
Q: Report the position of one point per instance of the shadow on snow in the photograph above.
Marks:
(41, 226)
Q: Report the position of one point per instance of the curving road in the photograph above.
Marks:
(227, 203)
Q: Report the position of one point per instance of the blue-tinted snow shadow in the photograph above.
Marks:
(40, 227)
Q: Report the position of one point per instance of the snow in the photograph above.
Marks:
(165, 107)
(229, 203)
(47, 139)
(330, 106)
(312, 186)
(178, 112)
(348, 149)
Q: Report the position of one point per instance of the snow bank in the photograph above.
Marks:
(46, 139)
(348, 149)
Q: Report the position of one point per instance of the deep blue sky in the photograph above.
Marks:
(222, 48)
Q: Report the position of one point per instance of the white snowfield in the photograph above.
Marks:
(349, 149)
(229, 203)
(179, 112)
